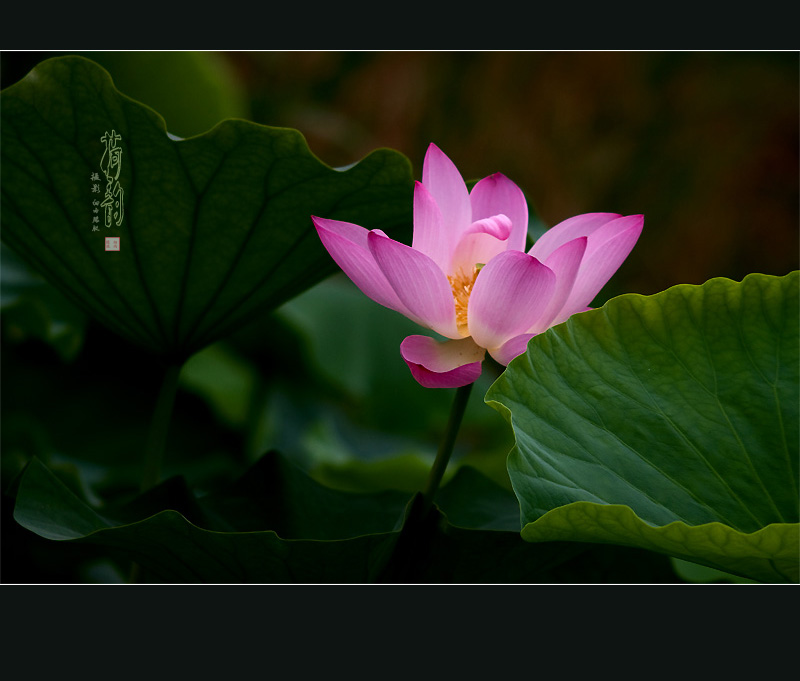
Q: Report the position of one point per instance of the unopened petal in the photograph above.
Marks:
(450, 364)
(510, 294)
(445, 184)
(418, 281)
(497, 226)
(482, 241)
(347, 244)
(497, 194)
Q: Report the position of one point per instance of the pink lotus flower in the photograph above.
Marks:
(467, 276)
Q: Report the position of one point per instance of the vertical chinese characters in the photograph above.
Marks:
(110, 164)
(95, 178)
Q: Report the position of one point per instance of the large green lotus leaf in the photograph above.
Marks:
(768, 555)
(214, 229)
(316, 534)
(667, 422)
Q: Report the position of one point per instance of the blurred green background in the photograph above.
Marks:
(704, 144)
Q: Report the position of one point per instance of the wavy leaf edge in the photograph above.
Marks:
(776, 543)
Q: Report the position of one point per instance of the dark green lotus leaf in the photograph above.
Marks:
(316, 534)
(212, 230)
(767, 555)
(667, 422)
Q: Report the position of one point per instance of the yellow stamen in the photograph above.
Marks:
(462, 284)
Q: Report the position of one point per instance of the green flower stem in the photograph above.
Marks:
(446, 447)
(159, 427)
